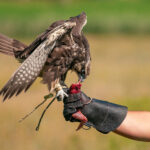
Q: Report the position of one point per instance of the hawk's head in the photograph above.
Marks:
(81, 21)
(82, 69)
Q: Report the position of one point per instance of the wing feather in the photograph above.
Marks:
(10, 46)
(27, 72)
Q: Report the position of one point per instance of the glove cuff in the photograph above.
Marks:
(104, 116)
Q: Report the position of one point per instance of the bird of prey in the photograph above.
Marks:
(62, 47)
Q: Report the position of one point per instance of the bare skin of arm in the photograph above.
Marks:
(136, 126)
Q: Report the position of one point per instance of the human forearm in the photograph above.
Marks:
(136, 126)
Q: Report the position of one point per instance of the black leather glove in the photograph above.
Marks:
(102, 115)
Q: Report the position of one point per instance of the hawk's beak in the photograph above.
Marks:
(81, 77)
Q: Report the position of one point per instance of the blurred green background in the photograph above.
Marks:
(28, 18)
(119, 35)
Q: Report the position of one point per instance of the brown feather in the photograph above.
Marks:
(9, 46)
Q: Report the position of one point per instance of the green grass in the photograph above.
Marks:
(29, 19)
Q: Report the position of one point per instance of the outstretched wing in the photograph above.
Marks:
(26, 74)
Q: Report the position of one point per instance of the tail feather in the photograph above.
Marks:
(9, 46)
(3, 51)
(5, 44)
(5, 38)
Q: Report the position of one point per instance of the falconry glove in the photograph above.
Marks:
(102, 115)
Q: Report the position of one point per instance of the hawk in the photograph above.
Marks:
(62, 47)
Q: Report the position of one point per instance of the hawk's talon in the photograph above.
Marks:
(61, 94)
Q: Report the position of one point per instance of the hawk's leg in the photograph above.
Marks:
(60, 93)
